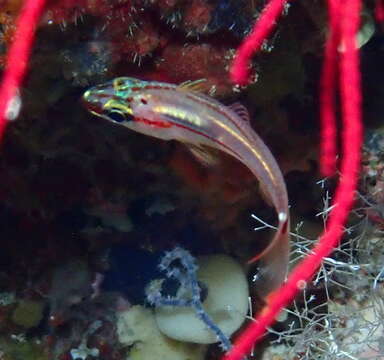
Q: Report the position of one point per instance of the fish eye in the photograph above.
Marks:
(118, 116)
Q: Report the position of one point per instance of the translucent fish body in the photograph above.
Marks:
(172, 112)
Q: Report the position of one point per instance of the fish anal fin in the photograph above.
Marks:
(240, 110)
(195, 85)
(204, 155)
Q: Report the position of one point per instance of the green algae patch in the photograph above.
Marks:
(28, 313)
(21, 350)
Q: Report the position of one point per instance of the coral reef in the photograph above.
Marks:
(137, 329)
(212, 318)
(87, 209)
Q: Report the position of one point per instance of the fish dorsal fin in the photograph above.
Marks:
(203, 154)
(240, 110)
(195, 85)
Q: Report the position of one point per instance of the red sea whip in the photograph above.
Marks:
(18, 56)
(344, 22)
(344, 16)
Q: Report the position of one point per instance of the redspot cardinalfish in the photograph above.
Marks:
(183, 113)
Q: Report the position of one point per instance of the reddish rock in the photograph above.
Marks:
(198, 61)
(197, 16)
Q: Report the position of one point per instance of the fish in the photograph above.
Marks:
(184, 113)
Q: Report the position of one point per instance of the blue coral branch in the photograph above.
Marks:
(189, 286)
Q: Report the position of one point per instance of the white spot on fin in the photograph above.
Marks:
(240, 110)
(282, 216)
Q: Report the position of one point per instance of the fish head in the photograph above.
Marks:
(112, 100)
(127, 102)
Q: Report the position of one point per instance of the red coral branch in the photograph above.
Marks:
(265, 24)
(18, 55)
(328, 91)
(344, 29)
(379, 11)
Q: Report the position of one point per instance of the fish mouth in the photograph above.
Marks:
(96, 97)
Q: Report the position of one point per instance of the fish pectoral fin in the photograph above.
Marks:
(241, 111)
(195, 85)
(204, 155)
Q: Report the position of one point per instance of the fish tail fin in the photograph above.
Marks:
(282, 231)
(274, 261)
